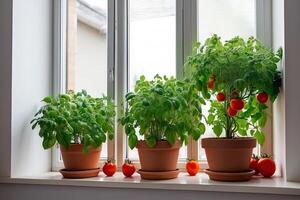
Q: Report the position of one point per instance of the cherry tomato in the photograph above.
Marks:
(128, 168)
(253, 164)
(262, 97)
(192, 167)
(266, 166)
(237, 104)
(109, 168)
(231, 112)
(221, 96)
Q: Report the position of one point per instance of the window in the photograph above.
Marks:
(103, 46)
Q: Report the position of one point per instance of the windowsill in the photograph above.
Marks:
(200, 182)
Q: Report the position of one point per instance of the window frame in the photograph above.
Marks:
(117, 61)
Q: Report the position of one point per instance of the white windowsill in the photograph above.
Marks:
(200, 182)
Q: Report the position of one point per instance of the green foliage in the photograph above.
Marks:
(245, 67)
(163, 109)
(75, 118)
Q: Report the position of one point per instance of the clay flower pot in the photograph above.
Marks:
(74, 158)
(229, 159)
(161, 158)
(228, 155)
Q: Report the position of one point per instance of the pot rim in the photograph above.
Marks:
(78, 147)
(224, 143)
(160, 145)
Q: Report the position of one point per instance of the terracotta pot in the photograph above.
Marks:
(228, 155)
(162, 157)
(75, 159)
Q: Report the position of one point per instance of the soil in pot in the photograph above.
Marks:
(229, 155)
(161, 158)
(75, 160)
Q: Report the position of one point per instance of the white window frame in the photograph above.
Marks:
(117, 60)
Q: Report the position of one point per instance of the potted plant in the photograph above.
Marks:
(237, 77)
(165, 112)
(79, 123)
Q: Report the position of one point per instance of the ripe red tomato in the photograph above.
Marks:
(253, 164)
(211, 84)
(109, 168)
(231, 112)
(266, 166)
(262, 97)
(192, 167)
(128, 168)
(221, 96)
(237, 104)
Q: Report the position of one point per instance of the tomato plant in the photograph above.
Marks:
(163, 109)
(109, 168)
(241, 69)
(128, 168)
(75, 118)
(192, 167)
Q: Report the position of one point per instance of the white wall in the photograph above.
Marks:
(5, 84)
(292, 83)
(31, 81)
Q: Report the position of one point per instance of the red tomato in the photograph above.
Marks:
(109, 168)
(266, 166)
(237, 104)
(192, 167)
(253, 164)
(211, 83)
(231, 112)
(128, 168)
(221, 96)
(262, 97)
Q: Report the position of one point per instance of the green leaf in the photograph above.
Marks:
(210, 118)
(49, 142)
(196, 134)
(47, 99)
(242, 132)
(151, 141)
(171, 137)
(262, 120)
(132, 141)
(142, 78)
(260, 137)
(129, 96)
(202, 128)
(217, 130)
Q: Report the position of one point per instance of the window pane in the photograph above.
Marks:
(226, 18)
(87, 48)
(152, 47)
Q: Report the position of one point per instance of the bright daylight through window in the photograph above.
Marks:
(154, 42)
